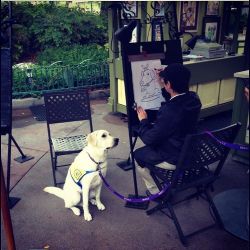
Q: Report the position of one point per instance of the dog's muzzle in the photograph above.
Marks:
(116, 141)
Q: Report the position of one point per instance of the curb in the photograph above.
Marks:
(29, 102)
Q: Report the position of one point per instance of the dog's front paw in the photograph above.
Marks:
(87, 217)
(100, 206)
(76, 211)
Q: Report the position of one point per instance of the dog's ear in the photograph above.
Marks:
(92, 139)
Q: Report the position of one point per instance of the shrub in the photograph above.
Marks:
(47, 25)
(73, 55)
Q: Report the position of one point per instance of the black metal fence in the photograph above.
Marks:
(31, 82)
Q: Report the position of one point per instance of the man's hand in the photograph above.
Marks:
(141, 113)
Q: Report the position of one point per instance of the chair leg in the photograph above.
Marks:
(55, 164)
(53, 167)
(156, 208)
(177, 225)
(167, 205)
(216, 213)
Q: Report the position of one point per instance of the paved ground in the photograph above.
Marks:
(40, 219)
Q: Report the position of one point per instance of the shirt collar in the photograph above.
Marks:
(176, 96)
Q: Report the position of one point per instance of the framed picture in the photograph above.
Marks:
(129, 9)
(210, 29)
(212, 8)
(189, 16)
(136, 34)
(159, 10)
(157, 31)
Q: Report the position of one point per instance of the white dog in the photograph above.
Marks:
(83, 176)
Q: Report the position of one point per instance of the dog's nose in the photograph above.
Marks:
(116, 141)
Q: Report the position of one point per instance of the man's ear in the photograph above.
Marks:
(168, 84)
(92, 139)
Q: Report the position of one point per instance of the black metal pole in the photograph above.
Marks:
(124, 35)
(127, 80)
(8, 165)
(125, 76)
(10, 113)
(23, 157)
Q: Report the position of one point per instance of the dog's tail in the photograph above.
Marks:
(54, 190)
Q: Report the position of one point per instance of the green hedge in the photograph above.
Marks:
(73, 55)
(47, 25)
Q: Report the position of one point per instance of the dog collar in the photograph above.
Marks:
(92, 159)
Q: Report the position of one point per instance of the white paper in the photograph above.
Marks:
(147, 91)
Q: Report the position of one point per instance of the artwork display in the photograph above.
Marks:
(130, 9)
(212, 8)
(147, 92)
(189, 16)
(211, 26)
(157, 30)
(159, 10)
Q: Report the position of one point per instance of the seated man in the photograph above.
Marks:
(176, 118)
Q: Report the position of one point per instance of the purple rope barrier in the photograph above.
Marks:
(135, 200)
(228, 144)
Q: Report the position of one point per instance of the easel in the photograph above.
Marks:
(138, 51)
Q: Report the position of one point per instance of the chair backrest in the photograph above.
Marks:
(67, 105)
(198, 152)
(201, 150)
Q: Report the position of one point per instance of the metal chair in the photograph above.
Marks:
(199, 166)
(66, 106)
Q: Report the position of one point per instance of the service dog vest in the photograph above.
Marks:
(77, 174)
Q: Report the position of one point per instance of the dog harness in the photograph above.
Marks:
(77, 174)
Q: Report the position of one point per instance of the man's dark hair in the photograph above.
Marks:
(178, 76)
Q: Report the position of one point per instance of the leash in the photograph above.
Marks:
(134, 200)
(228, 144)
(166, 186)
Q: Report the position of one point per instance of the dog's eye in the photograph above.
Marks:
(104, 135)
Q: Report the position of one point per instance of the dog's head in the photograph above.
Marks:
(102, 139)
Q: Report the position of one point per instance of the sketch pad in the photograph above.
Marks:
(147, 92)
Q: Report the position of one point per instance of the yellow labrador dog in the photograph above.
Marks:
(83, 177)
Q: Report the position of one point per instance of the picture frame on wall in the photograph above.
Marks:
(159, 10)
(157, 30)
(136, 34)
(211, 28)
(212, 8)
(129, 9)
(189, 16)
